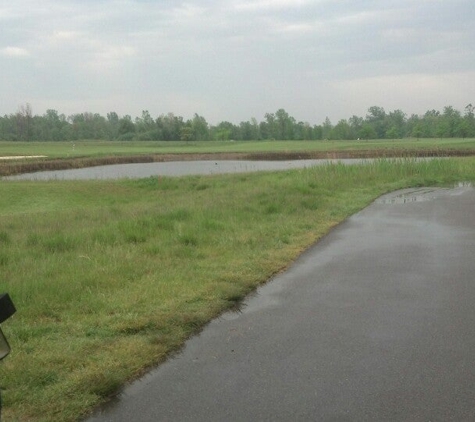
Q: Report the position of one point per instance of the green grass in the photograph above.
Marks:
(103, 148)
(111, 276)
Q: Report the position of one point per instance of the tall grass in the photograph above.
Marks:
(110, 277)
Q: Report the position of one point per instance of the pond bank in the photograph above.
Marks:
(20, 166)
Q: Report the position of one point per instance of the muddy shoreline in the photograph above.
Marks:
(20, 166)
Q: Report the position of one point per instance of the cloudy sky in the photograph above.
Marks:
(237, 59)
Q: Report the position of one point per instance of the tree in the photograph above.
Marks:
(395, 124)
(285, 125)
(376, 118)
(302, 131)
(317, 132)
(463, 129)
(200, 128)
(126, 128)
(145, 123)
(429, 123)
(224, 131)
(417, 131)
(24, 119)
(271, 127)
(450, 122)
(342, 130)
(112, 125)
(356, 123)
(186, 133)
(327, 128)
(255, 134)
(367, 132)
(392, 133)
(51, 126)
(169, 127)
(469, 120)
(469, 111)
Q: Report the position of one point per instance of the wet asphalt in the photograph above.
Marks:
(376, 322)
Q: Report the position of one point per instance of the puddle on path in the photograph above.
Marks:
(406, 196)
(463, 185)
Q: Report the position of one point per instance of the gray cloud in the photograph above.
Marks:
(235, 59)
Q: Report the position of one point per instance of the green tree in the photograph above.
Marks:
(469, 121)
(200, 128)
(270, 126)
(126, 128)
(392, 133)
(285, 125)
(24, 123)
(224, 131)
(450, 122)
(429, 123)
(112, 125)
(169, 127)
(341, 131)
(367, 132)
(327, 128)
(254, 132)
(145, 123)
(395, 124)
(53, 124)
(186, 133)
(356, 123)
(417, 131)
(376, 118)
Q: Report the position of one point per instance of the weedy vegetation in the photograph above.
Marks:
(110, 277)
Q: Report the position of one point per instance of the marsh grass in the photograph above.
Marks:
(111, 277)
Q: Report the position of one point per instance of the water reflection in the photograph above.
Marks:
(406, 196)
(463, 185)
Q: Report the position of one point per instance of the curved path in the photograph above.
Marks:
(374, 323)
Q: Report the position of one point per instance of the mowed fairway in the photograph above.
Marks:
(110, 277)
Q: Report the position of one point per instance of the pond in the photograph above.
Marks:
(174, 169)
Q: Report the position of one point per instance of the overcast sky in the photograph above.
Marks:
(237, 59)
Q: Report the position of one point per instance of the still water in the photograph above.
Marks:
(175, 168)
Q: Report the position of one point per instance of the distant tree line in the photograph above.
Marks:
(377, 124)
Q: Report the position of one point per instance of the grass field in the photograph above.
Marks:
(105, 148)
(109, 277)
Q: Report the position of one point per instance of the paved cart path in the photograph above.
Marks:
(374, 323)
